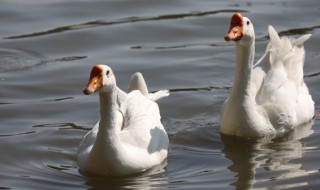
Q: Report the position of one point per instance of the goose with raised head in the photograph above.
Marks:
(269, 98)
(129, 138)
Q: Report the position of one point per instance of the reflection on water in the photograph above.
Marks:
(148, 180)
(270, 157)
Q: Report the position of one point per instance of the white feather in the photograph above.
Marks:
(273, 99)
(128, 139)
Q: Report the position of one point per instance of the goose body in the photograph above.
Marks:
(129, 138)
(269, 98)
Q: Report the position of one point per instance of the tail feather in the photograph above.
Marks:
(299, 41)
(138, 83)
(274, 37)
(158, 95)
(287, 53)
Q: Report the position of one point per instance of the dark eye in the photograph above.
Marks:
(248, 22)
(108, 72)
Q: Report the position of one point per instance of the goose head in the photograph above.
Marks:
(241, 30)
(101, 79)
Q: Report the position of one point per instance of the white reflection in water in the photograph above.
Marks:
(150, 179)
(257, 163)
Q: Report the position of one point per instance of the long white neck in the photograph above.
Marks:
(108, 108)
(110, 119)
(242, 80)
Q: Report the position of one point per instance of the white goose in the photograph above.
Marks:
(129, 138)
(269, 98)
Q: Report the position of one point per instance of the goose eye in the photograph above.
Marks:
(108, 72)
(248, 22)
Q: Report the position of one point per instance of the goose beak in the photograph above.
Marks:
(235, 32)
(88, 90)
(95, 81)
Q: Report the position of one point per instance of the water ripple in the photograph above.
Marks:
(63, 126)
(295, 31)
(14, 59)
(133, 19)
(263, 38)
(16, 134)
(8, 101)
(181, 46)
(312, 75)
(209, 88)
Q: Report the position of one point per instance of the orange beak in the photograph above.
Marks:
(95, 81)
(236, 28)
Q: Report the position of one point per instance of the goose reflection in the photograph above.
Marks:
(150, 179)
(270, 160)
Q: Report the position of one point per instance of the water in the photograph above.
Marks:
(47, 49)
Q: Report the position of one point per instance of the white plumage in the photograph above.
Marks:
(271, 97)
(129, 138)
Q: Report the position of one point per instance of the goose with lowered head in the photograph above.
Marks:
(269, 98)
(129, 138)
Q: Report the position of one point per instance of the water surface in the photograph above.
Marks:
(47, 49)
